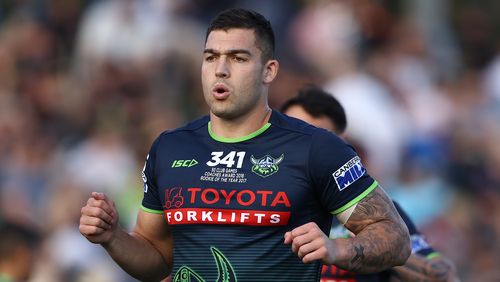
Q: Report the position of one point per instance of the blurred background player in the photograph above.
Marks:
(319, 108)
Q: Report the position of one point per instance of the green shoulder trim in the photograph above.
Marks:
(239, 139)
(151, 210)
(433, 255)
(357, 199)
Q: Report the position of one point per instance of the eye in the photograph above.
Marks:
(210, 58)
(239, 59)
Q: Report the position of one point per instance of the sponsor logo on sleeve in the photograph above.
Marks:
(349, 173)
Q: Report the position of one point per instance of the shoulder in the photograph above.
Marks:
(192, 126)
(182, 133)
(292, 124)
(317, 136)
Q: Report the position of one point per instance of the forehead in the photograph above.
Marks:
(234, 38)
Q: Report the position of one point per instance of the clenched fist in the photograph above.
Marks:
(311, 244)
(99, 219)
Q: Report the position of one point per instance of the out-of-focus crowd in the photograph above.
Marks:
(86, 86)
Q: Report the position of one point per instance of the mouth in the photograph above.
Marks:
(220, 91)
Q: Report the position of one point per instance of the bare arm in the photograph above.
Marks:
(419, 268)
(381, 240)
(145, 253)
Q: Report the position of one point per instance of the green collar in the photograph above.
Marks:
(238, 139)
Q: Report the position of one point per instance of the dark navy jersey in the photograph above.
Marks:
(418, 246)
(229, 202)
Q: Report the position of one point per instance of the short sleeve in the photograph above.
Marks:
(151, 200)
(337, 172)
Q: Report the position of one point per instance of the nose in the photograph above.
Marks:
(222, 69)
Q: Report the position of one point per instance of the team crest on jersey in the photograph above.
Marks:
(349, 173)
(266, 165)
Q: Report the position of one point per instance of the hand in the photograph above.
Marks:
(99, 219)
(310, 244)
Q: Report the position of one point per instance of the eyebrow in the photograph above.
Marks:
(228, 52)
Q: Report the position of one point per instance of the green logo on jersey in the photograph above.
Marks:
(184, 163)
(224, 270)
(266, 165)
(186, 274)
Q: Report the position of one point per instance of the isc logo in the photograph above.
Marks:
(184, 163)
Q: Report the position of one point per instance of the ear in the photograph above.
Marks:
(270, 71)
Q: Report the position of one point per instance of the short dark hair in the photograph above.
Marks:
(317, 103)
(247, 19)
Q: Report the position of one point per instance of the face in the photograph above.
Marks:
(297, 111)
(234, 78)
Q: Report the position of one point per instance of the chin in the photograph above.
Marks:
(225, 114)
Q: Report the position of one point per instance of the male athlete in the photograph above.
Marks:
(246, 193)
(317, 107)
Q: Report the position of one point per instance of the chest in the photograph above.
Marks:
(234, 184)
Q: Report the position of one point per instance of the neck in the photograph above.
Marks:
(241, 126)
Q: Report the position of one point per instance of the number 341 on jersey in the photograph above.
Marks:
(230, 160)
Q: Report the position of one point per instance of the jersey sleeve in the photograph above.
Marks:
(337, 173)
(151, 200)
(418, 243)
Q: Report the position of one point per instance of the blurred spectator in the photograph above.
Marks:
(377, 121)
(140, 33)
(433, 19)
(492, 81)
(149, 40)
(18, 249)
(102, 162)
